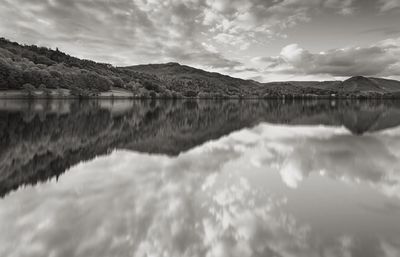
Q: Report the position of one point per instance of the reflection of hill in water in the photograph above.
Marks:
(40, 140)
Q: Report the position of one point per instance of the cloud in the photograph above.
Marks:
(121, 32)
(218, 35)
(128, 32)
(389, 5)
(254, 17)
(236, 41)
(344, 7)
(380, 59)
(387, 31)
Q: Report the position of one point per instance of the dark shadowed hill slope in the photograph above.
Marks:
(361, 84)
(357, 86)
(328, 85)
(207, 83)
(213, 84)
(178, 71)
(387, 84)
(195, 82)
(364, 84)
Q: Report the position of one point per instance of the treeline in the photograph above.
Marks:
(32, 67)
(28, 68)
(20, 66)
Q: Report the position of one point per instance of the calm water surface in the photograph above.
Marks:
(199, 178)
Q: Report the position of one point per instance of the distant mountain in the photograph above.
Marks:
(352, 87)
(361, 84)
(185, 78)
(29, 69)
(178, 71)
(364, 84)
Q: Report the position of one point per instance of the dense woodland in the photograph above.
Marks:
(30, 68)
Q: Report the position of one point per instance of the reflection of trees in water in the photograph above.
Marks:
(41, 139)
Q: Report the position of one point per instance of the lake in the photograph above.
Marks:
(199, 178)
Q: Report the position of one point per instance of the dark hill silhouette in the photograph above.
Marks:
(188, 79)
(360, 83)
(387, 84)
(357, 86)
(366, 84)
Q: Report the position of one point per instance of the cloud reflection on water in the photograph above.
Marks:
(266, 191)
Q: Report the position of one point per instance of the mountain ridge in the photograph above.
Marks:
(31, 69)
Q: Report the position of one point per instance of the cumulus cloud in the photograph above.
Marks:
(128, 32)
(219, 35)
(380, 59)
(121, 32)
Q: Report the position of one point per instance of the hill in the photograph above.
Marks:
(361, 84)
(32, 69)
(364, 84)
(197, 82)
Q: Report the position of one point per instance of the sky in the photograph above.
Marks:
(264, 40)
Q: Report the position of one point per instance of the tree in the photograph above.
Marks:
(44, 89)
(191, 93)
(29, 88)
(153, 94)
(151, 87)
(60, 92)
(117, 82)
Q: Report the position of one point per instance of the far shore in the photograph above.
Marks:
(120, 93)
(61, 93)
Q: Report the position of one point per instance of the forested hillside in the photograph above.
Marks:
(31, 68)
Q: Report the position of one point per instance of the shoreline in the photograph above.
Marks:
(299, 98)
(119, 93)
